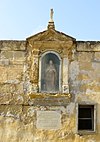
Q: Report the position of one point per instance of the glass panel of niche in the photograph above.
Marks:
(50, 73)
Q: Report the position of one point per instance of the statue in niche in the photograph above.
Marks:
(50, 77)
(50, 73)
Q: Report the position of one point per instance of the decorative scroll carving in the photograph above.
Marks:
(35, 52)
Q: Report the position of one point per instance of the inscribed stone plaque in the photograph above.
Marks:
(48, 120)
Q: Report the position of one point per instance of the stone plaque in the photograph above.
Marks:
(48, 120)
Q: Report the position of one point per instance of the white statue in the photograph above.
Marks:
(50, 77)
(51, 15)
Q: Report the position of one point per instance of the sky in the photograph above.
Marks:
(20, 19)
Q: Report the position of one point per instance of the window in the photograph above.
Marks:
(86, 117)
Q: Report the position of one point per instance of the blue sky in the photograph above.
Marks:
(20, 19)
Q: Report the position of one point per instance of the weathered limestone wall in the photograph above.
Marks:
(85, 79)
(12, 64)
(18, 116)
(85, 70)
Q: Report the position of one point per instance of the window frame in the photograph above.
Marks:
(86, 131)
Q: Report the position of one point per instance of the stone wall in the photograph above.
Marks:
(18, 116)
(12, 64)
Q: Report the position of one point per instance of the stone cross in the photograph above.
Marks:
(51, 15)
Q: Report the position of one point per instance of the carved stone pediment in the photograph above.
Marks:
(50, 35)
(51, 40)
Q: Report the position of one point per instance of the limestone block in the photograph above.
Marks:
(19, 55)
(4, 62)
(29, 113)
(69, 123)
(94, 87)
(97, 56)
(96, 67)
(73, 70)
(11, 110)
(5, 98)
(11, 94)
(82, 76)
(11, 98)
(3, 74)
(17, 62)
(14, 73)
(85, 56)
(94, 95)
(83, 87)
(87, 66)
(11, 74)
(94, 75)
(17, 99)
(88, 46)
(12, 45)
(12, 57)
(19, 88)
(14, 130)
(7, 88)
(6, 55)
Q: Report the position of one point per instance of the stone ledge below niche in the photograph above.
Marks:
(45, 99)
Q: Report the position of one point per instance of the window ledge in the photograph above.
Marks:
(86, 132)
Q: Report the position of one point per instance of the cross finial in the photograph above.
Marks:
(51, 15)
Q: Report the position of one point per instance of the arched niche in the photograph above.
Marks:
(50, 72)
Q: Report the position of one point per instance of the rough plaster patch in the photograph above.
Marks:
(96, 66)
(97, 56)
(74, 70)
(88, 91)
(20, 98)
(91, 141)
(30, 112)
(70, 108)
